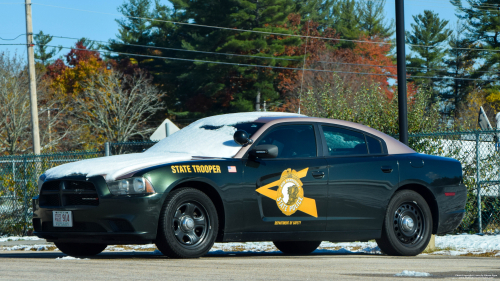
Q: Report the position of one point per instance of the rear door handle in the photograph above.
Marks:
(318, 174)
(386, 169)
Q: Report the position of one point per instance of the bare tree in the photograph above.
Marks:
(118, 106)
(15, 118)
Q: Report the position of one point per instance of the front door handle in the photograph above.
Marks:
(318, 174)
(386, 169)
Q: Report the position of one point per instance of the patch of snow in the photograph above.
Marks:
(469, 242)
(180, 146)
(454, 245)
(413, 273)
(19, 238)
(450, 253)
(70, 258)
(195, 140)
(28, 248)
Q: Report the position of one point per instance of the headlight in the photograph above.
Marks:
(131, 186)
(41, 179)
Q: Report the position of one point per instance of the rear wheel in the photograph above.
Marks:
(297, 247)
(80, 249)
(188, 224)
(407, 225)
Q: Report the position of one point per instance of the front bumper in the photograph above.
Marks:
(116, 220)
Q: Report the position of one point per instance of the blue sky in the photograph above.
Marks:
(75, 23)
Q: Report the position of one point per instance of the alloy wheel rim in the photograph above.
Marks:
(409, 224)
(190, 224)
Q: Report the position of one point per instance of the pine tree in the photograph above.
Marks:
(136, 29)
(460, 62)
(44, 54)
(216, 88)
(326, 13)
(372, 19)
(428, 33)
(483, 31)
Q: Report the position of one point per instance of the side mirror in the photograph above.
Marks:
(264, 151)
(241, 137)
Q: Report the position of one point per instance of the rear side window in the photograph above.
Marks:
(293, 141)
(344, 142)
(374, 145)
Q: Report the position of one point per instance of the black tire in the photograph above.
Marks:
(80, 249)
(407, 227)
(297, 247)
(188, 224)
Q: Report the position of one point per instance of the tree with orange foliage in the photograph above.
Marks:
(92, 90)
(82, 65)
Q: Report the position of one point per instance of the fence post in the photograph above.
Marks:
(478, 187)
(107, 149)
(25, 195)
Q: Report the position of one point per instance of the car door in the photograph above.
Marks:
(291, 189)
(361, 179)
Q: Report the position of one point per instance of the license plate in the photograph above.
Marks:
(62, 218)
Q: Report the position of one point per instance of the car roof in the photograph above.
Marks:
(393, 146)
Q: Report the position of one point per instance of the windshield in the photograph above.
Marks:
(213, 136)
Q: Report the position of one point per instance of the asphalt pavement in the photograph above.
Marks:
(45, 265)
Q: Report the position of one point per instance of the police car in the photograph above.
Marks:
(286, 178)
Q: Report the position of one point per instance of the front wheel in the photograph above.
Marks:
(297, 247)
(80, 249)
(188, 224)
(407, 225)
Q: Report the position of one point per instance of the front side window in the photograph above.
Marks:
(293, 141)
(344, 142)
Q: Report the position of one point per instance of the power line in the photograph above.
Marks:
(239, 55)
(219, 27)
(13, 44)
(419, 1)
(265, 66)
(180, 50)
(216, 53)
(218, 62)
(263, 32)
(13, 38)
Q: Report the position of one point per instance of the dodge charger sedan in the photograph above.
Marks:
(287, 178)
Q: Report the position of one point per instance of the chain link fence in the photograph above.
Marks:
(19, 183)
(477, 151)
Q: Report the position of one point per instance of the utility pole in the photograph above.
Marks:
(32, 77)
(401, 61)
(257, 101)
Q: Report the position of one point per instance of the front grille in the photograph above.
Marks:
(51, 185)
(50, 200)
(81, 200)
(68, 193)
(77, 227)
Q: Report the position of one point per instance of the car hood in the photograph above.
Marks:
(113, 167)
